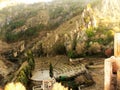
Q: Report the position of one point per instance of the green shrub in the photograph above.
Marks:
(100, 41)
(30, 32)
(90, 32)
(27, 71)
(72, 54)
(31, 63)
(16, 24)
(27, 34)
(11, 37)
(22, 77)
(110, 36)
(30, 60)
(51, 70)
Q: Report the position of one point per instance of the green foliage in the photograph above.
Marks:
(27, 34)
(110, 36)
(11, 37)
(72, 54)
(30, 60)
(59, 14)
(25, 72)
(31, 63)
(22, 77)
(28, 71)
(100, 40)
(59, 48)
(108, 33)
(68, 81)
(32, 31)
(90, 32)
(51, 70)
(16, 24)
(105, 31)
(103, 36)
(63, 78)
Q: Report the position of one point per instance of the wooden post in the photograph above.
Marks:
(117, 45)
(108, 75)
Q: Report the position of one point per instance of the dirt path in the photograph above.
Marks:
(97, 74)
(98, 77)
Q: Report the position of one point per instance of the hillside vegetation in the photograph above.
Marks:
(61, 27)
(39, 16)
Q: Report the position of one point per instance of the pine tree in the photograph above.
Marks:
(51, 70)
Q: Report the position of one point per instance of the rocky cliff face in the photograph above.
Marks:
(75, 38)
(85, 37)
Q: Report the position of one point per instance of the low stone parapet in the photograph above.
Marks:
(112, 70)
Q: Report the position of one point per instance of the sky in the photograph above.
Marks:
(32, 1)
(5, 3)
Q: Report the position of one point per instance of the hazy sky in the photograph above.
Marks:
(32, 1)
(5, 3)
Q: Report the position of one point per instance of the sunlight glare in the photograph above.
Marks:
(32, 1)
(7, 3)
(14, 86)
(3, 4)
(110, 9)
